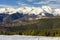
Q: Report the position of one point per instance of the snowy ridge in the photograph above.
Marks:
(31, 10)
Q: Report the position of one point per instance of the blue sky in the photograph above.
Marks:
(35, 3)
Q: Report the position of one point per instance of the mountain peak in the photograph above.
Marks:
(48, 9)
(31, 10)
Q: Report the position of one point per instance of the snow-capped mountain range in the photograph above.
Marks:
(27, 12)
(31, 10)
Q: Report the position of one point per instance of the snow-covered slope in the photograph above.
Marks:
(2, 10)
(7, 10)
(57, 12)
(22, 37)
(31, 10)
(47, 9)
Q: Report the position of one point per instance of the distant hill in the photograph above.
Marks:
(42, 27)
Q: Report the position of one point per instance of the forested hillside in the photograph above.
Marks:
(40, 27)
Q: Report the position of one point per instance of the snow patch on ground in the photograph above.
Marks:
(19, 37)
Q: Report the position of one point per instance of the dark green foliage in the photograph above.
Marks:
(41, 27)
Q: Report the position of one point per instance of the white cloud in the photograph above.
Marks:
(5, 6)
(54, 5)
(48, 2)
(42, 2)
(21, 4)
(30, 0)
